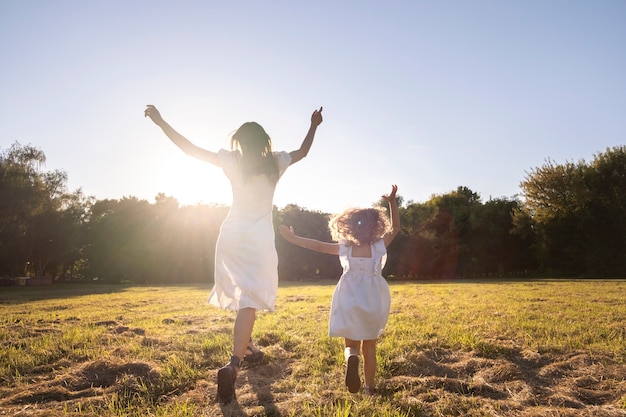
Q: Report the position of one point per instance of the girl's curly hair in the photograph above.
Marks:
(359, 226)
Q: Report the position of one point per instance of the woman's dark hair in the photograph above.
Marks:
(256, 151)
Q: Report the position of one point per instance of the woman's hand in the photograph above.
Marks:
(392, 196)
(316, 117)
(153, 114)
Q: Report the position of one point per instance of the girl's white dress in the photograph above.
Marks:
(246, 264)
(361, 301)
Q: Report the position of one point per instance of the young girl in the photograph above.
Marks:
(246, 264)
(360, 304)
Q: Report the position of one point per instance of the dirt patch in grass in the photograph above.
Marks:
(518, 385)
(428, 383)
(67, 384)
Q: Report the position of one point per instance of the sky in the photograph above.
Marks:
(428, 95)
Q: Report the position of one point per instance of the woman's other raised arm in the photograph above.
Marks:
(316, 120)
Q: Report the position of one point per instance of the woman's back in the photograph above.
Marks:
(253, 195)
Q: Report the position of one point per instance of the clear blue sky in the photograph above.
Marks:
(430, 95)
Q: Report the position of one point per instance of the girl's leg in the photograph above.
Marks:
(351, 354)
(369, 362)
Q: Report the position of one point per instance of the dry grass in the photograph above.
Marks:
(526, 348)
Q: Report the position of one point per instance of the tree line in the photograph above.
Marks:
(570, 221)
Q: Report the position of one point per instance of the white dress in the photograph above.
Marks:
(246, 264)
(361, 301)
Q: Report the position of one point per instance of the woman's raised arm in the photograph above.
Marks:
(316, 120)
(179, 140)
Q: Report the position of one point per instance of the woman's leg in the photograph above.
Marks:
(369, 362)
(227, 375)
(244, 323)
(353, 347)
(351, 354)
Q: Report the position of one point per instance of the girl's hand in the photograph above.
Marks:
(286, 231)
(316, 117)
(153, 114)
(392, 196)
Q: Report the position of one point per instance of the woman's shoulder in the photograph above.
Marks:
(281, 155)
(226, 154)
(228, 160)
(283, 160)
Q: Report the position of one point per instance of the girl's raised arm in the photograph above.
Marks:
(395, 216)
(178, 139)
(313, 244)
(316, 120)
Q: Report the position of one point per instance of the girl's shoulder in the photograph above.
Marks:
(379, 248)
(344, 247)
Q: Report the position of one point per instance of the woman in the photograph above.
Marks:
(246, 264)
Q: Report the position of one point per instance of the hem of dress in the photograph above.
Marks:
(231, 307)
(338, 334)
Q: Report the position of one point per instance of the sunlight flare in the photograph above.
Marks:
(192, 182)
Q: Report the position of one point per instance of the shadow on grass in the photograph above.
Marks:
(259, 377)
(64, 290)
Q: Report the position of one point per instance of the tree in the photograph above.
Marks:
(133, 240)
(295, 263)
(34, 208)
(578, 213)
(450, 227)
(496, 249)
(604, 220)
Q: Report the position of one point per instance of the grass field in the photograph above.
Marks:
(515, 348)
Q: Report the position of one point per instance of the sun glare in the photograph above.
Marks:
(192, 182)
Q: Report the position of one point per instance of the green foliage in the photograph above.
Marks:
(571, 222)
(578, 213)
(133, 240)
(457, 235)
(296, 263)
(40, 220)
